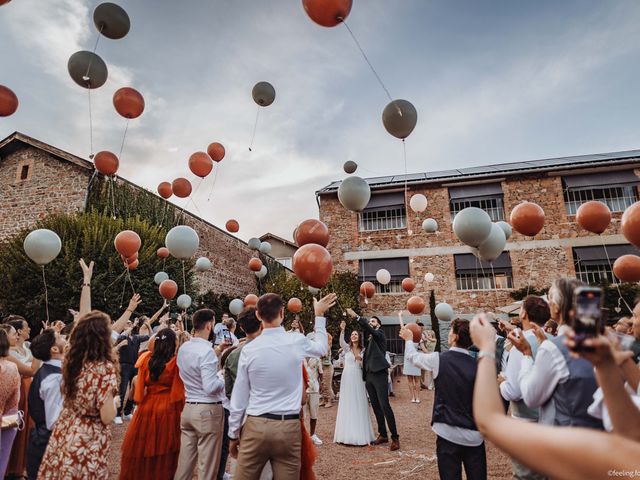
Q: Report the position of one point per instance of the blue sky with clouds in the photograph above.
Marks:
(493, 81)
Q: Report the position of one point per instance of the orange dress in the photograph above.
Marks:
(151, 445)
(309, 451)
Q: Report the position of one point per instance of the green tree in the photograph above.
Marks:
(435, 324)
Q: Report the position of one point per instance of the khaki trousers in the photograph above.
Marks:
(263, 440)
(326, 389)
(202, 430)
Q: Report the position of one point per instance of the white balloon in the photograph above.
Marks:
(430, 225)
(265, 247)
(383, 276)
(236, 306)
(418, 203)
(354, 193)
(203, 264)
(182, 242)
(506, 228)
(262, 272)
(429, 277)
(472, 226)
(444, 312)
(42, 246)
(314, 290)
(184, 301)
(493, 246)
(160, 277)
(254, 243)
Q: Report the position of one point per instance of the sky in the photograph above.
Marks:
(492, 81)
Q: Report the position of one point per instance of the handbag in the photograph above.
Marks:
(14, 420)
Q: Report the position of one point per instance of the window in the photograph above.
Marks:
(616, 189)
(286, 261)
(594, 264)
(385, 211)
(24, 172)
(397, 267)
(486, 196)
(473, 274)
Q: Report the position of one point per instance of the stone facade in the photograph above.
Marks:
(56, 181)
(536, 262)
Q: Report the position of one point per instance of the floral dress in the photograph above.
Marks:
(79, 442)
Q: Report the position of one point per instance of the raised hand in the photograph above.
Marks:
(351, 313)
(87, 271)
(343, 326)
(134, 302)
(521, 343)
(406, 334)
(482, 333)
(324, 304)
(539, 333)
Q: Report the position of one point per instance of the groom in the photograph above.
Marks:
(375, 374)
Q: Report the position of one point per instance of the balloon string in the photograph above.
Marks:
(46, 293)
(366, 59)
(128, 272)
(164, 214)
(533, 256)
(190, 199)
(184, 279)
(95, 47)
(124, 287)
(406, 189)
(495, 285)
(104, 295)
(112, 194)
(215, 177)
(255, 126)
(611, 268)
(126, 128)
(90, 126)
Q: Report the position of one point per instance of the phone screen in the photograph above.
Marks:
(588, 312)
(226, 334)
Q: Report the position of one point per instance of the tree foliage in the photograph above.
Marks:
(435, 324)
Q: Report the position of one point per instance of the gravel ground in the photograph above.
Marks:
(416, 458)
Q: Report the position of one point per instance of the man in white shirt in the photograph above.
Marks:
(202, 421)
(268, 389)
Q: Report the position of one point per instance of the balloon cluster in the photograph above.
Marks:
(181, 242)
(127, 244)
(312, 262)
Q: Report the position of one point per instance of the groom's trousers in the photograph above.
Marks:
(378, 391)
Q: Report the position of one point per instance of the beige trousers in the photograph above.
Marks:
(326, 389)
(202, 429)
(263, 440)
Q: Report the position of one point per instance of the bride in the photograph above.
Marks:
(353, 423)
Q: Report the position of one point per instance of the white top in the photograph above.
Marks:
(313, 365)
(598, 409)
(26, 359)
(510, 388)
(219, 330)
(346, 347)
(198, 366)
(270, 375)
(431, 361)
(51, 395)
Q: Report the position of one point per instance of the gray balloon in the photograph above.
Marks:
(42, 246)
(314, 290)
(263, 94)
(87, 69)
(236, 306)
(265, 247)
(111, 20)
(160, 277)
(262, 272)
(350, 167)
(430, 225)
(254, 243)
(444, 312)
(184, 301)
(399, 118)
(354, 194)
(182, 242)
(472, 226)
(493, 246)
(203, 264)
(506, 228)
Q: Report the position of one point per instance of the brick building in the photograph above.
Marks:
(38, 179)
(389, 235)
(281, 249)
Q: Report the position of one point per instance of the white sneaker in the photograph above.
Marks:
(227, 476)
(129, 416)
(316, 440)
(118, 421)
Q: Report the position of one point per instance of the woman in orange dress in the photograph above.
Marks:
(308, 451)
(151, 445)
(81, 438)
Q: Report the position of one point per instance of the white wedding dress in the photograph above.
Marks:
(353, 423)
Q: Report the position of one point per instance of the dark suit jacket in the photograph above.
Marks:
(374, 350)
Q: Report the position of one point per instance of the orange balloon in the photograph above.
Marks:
(367, 289)
(527, 218)
(416, 330)
(168, 289)
(251, 300)
(327, 13)
(8, 101)
(216, 151)
(200, 164)
(408, 284)
(630, 224)
(127, 243)
(416, 305)
(232, 226)
(294, 305)
(163, 252)
(133, 265)
(181, 187)
(627, 268)
(255, 264)
(128, 102)
(131, 259)
(165, 190)
(312, 231)
(106, 162)
(593, 216)
(312, 265)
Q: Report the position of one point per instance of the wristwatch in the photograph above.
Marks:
(484, 353)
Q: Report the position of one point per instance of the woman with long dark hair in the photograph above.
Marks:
(81, 437)
(353, 423)
(151, 445)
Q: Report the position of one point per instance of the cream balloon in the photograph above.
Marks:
(444, 312)
(472, 226)
(265, 247)
(184, 301)
(236, 306)
(42, 246)
(203, 264)
(254, 243)
(429, 277)
(383, 276)
(262, 272)
(160, 277)
(418, 203)
(430, 225)
(354, 193)
(493, 246)
(182, 242)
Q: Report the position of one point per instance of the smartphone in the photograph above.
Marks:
(226, 334)
(587, 318)
(517, 332)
